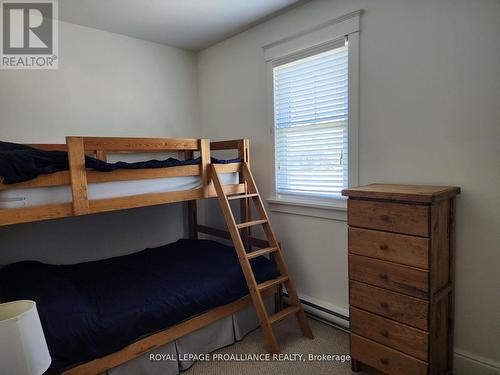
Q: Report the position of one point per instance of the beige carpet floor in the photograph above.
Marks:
(327, 340)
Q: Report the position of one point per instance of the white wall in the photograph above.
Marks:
(108, 85)
(429, 114)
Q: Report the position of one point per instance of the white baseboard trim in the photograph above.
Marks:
(465, 363)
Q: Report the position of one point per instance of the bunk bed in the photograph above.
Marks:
(79, 179)
(130, 187)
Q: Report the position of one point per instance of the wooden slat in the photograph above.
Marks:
(244, 196)
(226, 145)
(260, 252)
(161, 338)
(142, 174)
(229, 168)
(269, 283)
(117, 144)
(135, 201)
(44, 180)
(284, 314)
(62, 178)
(228, 189)
(78, 175)
(142, 200)
(37, 213)
(250, 223)
(49, 147)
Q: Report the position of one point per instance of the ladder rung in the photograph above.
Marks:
(270, 283)
(250, 223)
(263, 251)
(284, 314)
(242, 196)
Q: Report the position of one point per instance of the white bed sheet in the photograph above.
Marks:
(17, 198)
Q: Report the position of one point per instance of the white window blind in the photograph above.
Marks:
(310, 119)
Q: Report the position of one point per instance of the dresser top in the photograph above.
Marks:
(409, 193)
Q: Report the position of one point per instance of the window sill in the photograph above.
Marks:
(336, 209)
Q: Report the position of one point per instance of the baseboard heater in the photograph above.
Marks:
(322, 313)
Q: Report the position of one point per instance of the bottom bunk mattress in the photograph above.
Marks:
(92, 309)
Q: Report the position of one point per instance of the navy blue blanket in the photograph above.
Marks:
(92, 309)
(19, 163)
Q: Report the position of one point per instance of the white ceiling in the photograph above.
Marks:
(188, 24)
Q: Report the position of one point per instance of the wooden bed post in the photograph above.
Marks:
(245, 207)
(78, 175)
(205, 166)
(192, 210)
(192, 220)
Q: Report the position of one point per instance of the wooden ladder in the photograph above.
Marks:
(255, 289)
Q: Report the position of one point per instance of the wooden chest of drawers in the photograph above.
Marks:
(401, 275)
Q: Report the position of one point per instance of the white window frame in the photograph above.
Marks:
(292, 48)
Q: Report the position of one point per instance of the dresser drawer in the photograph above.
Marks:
(392, 217)
(385, 359)
(399, 248)
(398, 336)
(403, 279)
(396, 306)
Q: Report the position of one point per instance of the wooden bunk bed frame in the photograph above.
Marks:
(78, 178)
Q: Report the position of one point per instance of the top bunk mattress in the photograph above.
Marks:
(92, 309)
(20, 163)
(17, 198)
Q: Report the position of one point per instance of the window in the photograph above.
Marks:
(311, 123)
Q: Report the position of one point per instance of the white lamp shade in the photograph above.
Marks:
(23, 349)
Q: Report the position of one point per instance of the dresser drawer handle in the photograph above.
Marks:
(384, 333)
(383, 276)
(384, 361)
(384, 247)
(385, 218)
(384, 305)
